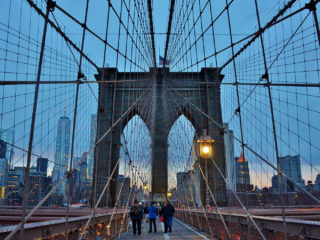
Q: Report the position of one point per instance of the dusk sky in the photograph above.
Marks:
(289, 60)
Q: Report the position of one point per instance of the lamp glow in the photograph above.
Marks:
(205, 145)
(206, 149)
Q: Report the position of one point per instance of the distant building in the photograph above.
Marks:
(275, 183)
(39, 186)
(75, 186)
(84, 169)
(186, 188)
(84, 178)
(14, 188)
(291, 167)
(42, 165)
(3, 166)
(125, 191)
(85, 195)
(242, 174)
(229, 151)
(8, 137)
(138, 192)
(76, 181)
(21, 171)
(93, 131)
(310, 186)
(317, 183)
(61, 153)
(3, 149)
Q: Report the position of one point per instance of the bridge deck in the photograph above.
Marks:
(179, 231)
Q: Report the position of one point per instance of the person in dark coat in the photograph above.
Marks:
(146, 212)
(161, 214)
(152, 210)
(136, 215)
(168, 213)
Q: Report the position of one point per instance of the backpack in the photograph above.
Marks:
(136, 210)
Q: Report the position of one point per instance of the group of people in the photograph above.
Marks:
(150, 213)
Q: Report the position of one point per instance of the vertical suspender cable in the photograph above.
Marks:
(80, 76)
(50, 6)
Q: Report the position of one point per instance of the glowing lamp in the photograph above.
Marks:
(169, 194)
(205, 145)
(145, 187)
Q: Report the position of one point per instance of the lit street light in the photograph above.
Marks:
(205, 150)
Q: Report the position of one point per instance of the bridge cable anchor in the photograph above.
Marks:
(311, 6)
(265, 76)
(51, 5)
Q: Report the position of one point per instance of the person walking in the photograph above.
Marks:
(136, 215)
(146, 212)
(168, 215)
(162, 217)
(152, 217)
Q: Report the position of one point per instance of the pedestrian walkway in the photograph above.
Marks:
(179, 231)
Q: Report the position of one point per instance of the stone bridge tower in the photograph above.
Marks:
(156, 91)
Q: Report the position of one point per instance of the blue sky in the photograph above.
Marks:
(296, 109)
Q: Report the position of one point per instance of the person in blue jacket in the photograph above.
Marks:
(152, 216)
(136, 215)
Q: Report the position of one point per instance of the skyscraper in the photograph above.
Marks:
(39, 186)
(75, 181)
(84, 170)
(186, 188)
(14, 188)
(3, 164)
(8, 137)
(242, 174)
(230, 163)
(61, 153)
(291, 166)
(3, 171)
(125, 191)
(93, 131)
(3, 149)
(317, 183)
(42, 165)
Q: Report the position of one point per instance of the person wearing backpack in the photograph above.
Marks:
(136, 215)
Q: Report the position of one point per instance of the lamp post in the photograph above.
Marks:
(205, 150)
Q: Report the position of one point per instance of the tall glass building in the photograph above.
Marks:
(291, 166)
(242, 174)
(8, 137)
(61, 153)
(3, 164)
(93, 131)
(230, 161)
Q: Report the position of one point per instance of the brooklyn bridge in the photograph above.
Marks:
(209, 106)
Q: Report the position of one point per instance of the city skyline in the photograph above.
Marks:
(268, 182)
